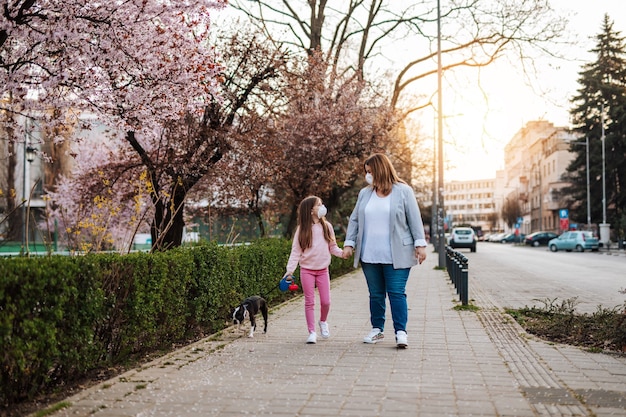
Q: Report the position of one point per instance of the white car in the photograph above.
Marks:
(463, 237)
(496, 237)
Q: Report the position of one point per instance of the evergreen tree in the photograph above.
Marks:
(599, 108)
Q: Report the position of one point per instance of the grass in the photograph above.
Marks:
(467, 307)
(52, 409)
(557, 321)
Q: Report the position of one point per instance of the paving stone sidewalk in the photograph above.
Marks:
(459, 363)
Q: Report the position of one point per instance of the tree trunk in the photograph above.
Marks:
(259, 221)
(293, 221)
(318, 14)
(168, 224)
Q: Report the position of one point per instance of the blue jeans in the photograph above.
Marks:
(385, 281)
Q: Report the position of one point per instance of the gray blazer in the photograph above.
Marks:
(405, 225)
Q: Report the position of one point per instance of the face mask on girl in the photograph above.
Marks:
(321, 211)
(369, 178)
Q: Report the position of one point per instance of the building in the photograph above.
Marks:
(472, 203)
(535, 160)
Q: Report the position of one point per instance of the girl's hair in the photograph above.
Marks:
(384, 173)
(305, 222)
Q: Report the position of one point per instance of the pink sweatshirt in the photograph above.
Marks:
(318, 255)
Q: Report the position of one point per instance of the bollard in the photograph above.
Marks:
(458, 271)
(461, 281)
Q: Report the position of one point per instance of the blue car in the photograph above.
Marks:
(577, 240)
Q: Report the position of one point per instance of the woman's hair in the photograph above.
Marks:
(384, 173)
(305, 222)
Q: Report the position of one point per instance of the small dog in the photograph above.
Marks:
(249, 308)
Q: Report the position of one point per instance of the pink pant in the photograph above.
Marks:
(311, 279)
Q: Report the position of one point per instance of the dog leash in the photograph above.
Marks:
(287, 283)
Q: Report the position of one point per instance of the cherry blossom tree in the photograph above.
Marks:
(100, 204)
(172, 159)
(140, 66)
(309, 139)
(245, 180)
(133, 62)
(331, 125)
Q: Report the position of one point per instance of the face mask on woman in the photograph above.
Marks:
(321, 211)
(369, 178)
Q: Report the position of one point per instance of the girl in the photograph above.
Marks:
(313, 244)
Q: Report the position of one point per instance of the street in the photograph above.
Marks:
(517, 276)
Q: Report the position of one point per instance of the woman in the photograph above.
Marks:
(387, 231)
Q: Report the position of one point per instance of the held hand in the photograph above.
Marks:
(347, 252)
(420, 254)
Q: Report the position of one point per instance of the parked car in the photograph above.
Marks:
(463, 237)
(496, 237)
(577, 240)
(513, 238)
(539, 238)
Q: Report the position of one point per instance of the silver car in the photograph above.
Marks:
(577, 240)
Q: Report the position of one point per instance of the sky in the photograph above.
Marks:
(475, 132)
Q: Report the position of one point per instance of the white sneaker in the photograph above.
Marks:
(312, 338)
(324, 329)
(376, 335)
(401, 339)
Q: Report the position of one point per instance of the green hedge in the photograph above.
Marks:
(61, 317)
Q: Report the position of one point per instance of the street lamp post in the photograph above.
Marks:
(588, 189)
(605, 228)
(433, 214)
(434, 233)
(29, 156)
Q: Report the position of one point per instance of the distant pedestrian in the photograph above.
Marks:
(313, 243)
(387, 232)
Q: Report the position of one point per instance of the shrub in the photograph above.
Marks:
(605, 329)
(62, 317)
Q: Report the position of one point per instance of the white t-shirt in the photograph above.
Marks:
(376, 246)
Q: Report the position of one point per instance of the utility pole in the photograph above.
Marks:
(441, 239)
(588, 190)
(433, 213)
(605, 228)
